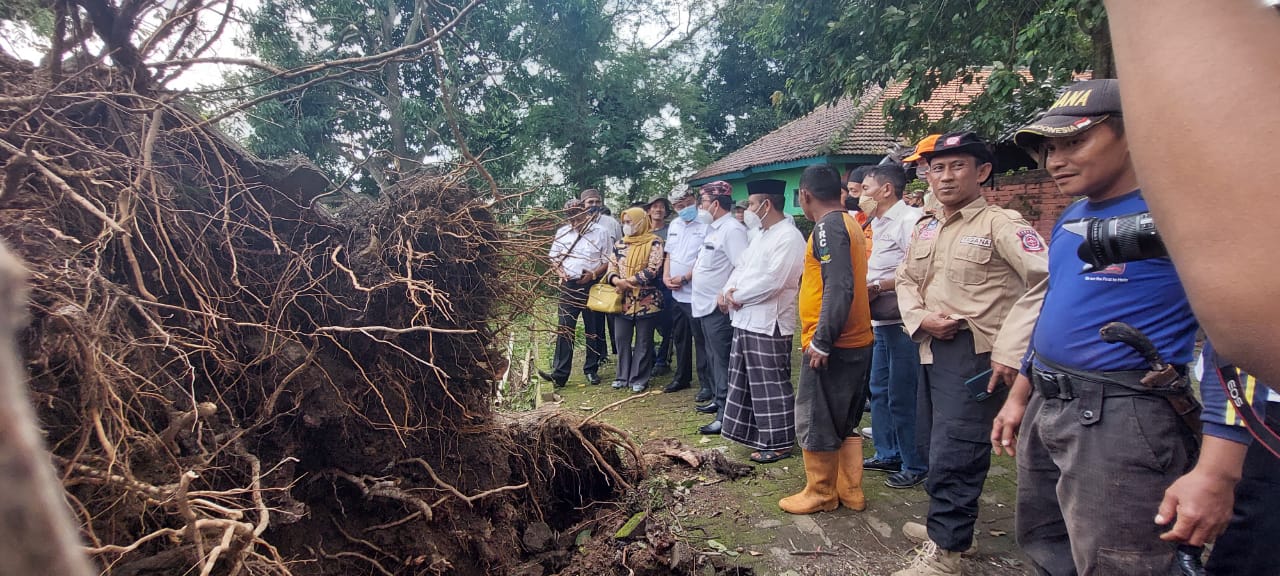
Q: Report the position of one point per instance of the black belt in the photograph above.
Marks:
(1057, 381)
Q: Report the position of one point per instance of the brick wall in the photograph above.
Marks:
(1033, 194)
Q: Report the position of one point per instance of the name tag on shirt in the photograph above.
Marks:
(976, 241)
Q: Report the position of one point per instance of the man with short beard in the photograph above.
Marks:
(969, 263)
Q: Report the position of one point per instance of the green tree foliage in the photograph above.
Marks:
(740, 85)
(548, 92)
(836, 48)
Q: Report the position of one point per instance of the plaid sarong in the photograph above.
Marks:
(760, 411)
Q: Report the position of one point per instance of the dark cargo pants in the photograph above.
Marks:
(1092, 471)
(958, 429)
(829, 402)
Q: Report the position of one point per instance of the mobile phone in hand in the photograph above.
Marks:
(977, 386)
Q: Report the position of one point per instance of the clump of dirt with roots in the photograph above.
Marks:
(242, 369)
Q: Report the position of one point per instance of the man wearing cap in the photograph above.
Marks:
(760, 297)
(579, 254)
(658, 209)
(1096, 447)
(895, 360)
(924, 146)
(968, 265)
(722, 251)
(684, 243)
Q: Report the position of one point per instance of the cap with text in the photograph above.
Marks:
(1081, 106)
(960, 142)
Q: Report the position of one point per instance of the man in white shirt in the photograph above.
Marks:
(722, 249)
(762, 297)
(685, 235)
(579, 255)
(593, 200)
(895, 360)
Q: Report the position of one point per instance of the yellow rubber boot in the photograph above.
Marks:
(819, 494)
(849, 479)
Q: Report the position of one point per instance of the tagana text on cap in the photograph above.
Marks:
(1081, 106)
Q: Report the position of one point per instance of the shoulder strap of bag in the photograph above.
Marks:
(1229, 376)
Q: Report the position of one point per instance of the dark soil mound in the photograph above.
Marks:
(237, 375)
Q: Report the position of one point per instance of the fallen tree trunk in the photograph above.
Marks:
(37, 535)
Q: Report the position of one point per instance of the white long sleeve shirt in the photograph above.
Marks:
(684, 242)
(890, 239)
(575, 256)
(722, 248)
(767, 282)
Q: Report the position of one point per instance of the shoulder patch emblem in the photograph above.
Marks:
(976, 241)
(929, 231)
(1031, 241)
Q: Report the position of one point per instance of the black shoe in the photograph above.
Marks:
(710, 429)
(905, 479)
(675, 387)
(882, 465)
(558, 384)
(543, 374)
(593, 378)
(711, 408)
(703, 396)
(659, 370)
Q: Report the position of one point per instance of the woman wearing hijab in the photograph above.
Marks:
(634, 271)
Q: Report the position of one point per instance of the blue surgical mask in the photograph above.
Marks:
(688, 213)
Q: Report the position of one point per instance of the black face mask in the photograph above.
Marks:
(850, 203)
(599, 209)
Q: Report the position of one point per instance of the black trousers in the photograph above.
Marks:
(718, 334)
(573, 301)
(664, 322)
(687, 342)
(1248, 545)
(635, 348)
(959, 432)
(829, 402)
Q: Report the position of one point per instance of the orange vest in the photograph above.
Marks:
(866, 230)
(857, 327)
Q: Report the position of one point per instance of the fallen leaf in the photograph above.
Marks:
(998, 533)
(754, 553)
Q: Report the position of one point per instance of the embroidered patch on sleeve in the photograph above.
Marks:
(1031, 241)
(822, 251)
(929, 231)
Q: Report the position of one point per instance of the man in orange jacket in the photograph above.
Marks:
(835, 324)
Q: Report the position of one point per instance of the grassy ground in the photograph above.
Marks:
(743, 515)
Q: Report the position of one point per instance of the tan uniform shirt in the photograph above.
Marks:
(976, 265)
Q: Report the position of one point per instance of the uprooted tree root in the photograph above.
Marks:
(238, 375)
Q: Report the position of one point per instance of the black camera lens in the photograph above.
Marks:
(1120, 239)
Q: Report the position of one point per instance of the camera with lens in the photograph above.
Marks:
(1117, 239)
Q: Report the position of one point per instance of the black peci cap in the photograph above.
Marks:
(965, 142)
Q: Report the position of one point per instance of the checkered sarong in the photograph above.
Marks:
(760, 411)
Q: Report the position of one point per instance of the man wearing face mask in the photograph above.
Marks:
(895, 360)
(684, 241)
(722, 250)
(761, 298)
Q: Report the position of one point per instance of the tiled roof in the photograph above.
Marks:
(848, 127)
